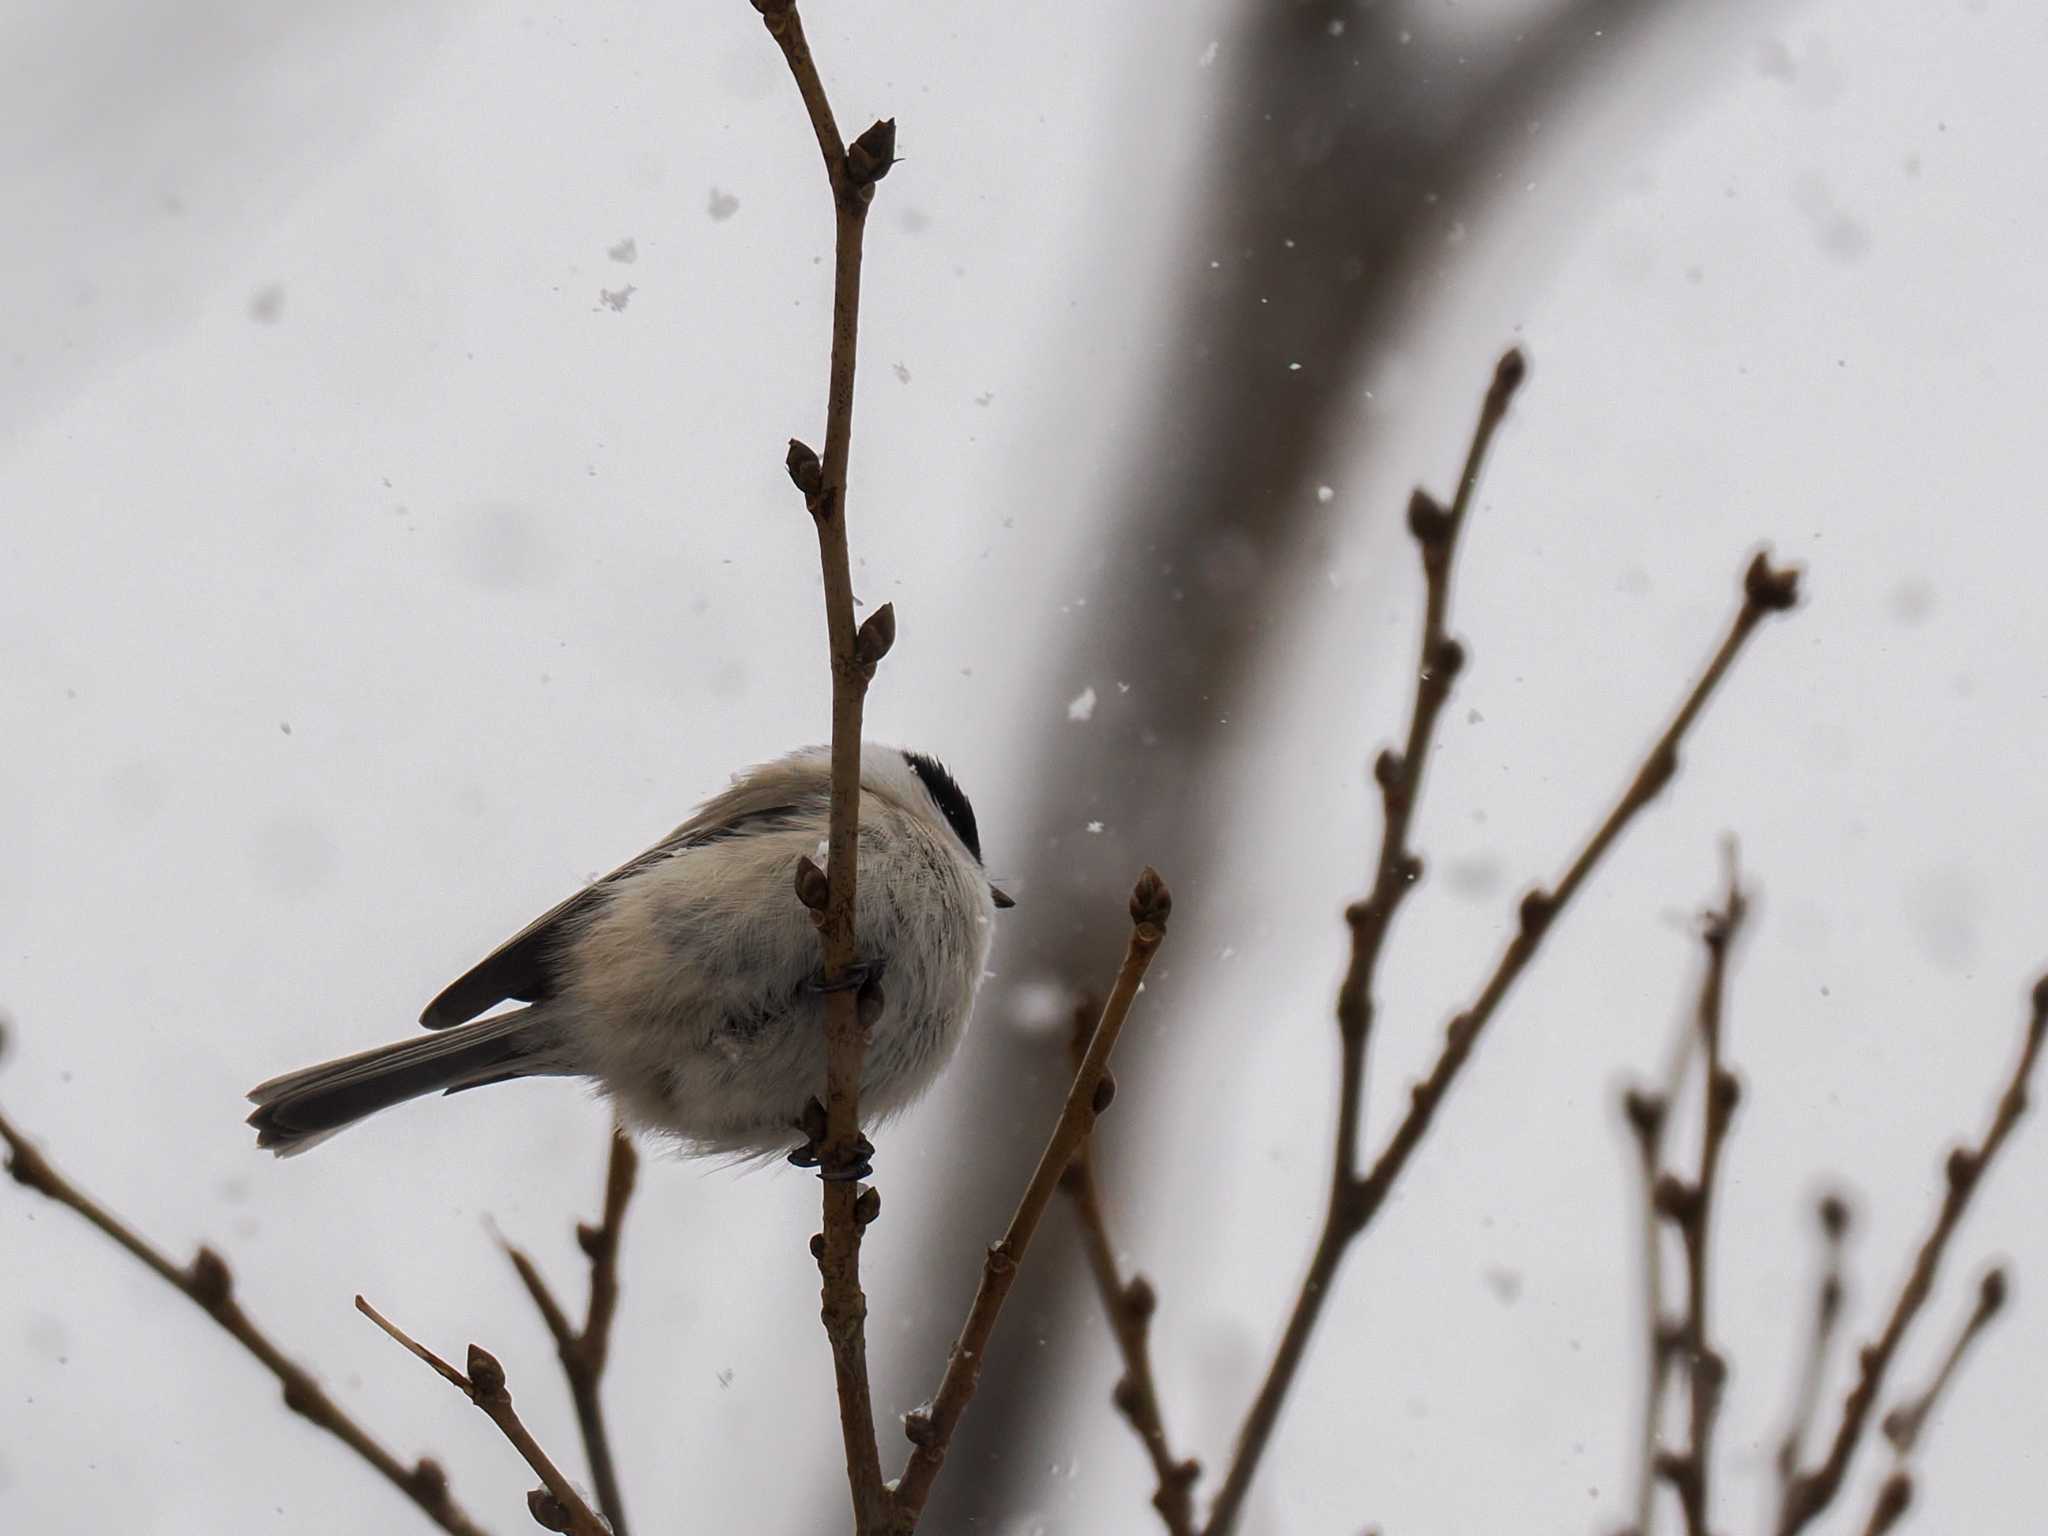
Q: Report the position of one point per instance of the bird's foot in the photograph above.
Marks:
(853, 978)
(857, 1162)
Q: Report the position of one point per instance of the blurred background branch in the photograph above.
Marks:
(1343, 133)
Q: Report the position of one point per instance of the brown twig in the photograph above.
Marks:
(1905, 1424)
(1893, 1500)
(1354, 1200)
(485, 1386)
(209, 1284)
(1833, 1211)
(1690, 1208)
(931, 1430)
(583, 1351)
(1810, 1492)
(1647, 1115)
(851, 173)
(1129, 1305)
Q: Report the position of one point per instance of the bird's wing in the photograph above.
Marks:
(523, 967)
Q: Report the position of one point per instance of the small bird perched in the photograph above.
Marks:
(688, 983)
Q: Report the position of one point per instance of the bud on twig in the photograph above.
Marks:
(1834, 1217)
(1508, 374)
(209, 1279)
(805, 470)
(486, 1376)
(1645, 1112)
(1151, 901)
(869, 157)
(1105, 1093)
(1428, 520)
(873, 639)
(812, 888)
(1771, 589)
(1991, 1293)
(547, 1511)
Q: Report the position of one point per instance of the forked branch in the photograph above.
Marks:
(209, 1284)
(1689, 1206)
(583, 1351)
(1809, 1492)
(930, 1430)
(1355, 1199)
(1905, 1424)
(556, 1504)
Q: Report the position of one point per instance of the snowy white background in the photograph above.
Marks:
(368, 581)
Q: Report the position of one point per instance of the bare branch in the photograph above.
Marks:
(1811, 1492)
(1647, 1115)
(1690, 1208)
(1355, 1200)
(583, 1351)
(1905, 1424)
(1129, 1306)
(1833, 1211)
(1893, 1500)
(852, 173)
(931, 1430)
(485, 1386)
(209, 1284)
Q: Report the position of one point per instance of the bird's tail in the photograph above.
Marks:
(303, 1108)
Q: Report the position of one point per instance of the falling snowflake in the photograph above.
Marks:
(1081, 708)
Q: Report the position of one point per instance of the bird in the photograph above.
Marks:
(687, 984)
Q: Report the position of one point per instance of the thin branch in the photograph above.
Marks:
(485, 1386)
(1354, 1201)
(1905, 1424)
(1811, 1492)
(1690, 1207)
(1833, 1211)
(851, 173)
(1129, 1306)
(583, 1351)
(209, 1284)
(930, 1430)
(1893, 1500)
(1648, 1114)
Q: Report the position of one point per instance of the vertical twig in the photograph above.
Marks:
(209, 1284)
(1647, 1115)
(1905, 1424)
(1810, 1492)
(930, 1430)
(1355, 1199)
(556, 1504)
(1129, 1306)
(1690, 1208)
(851, 172)
(583, 1351)
(1833, 1213)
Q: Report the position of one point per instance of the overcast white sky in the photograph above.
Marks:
(370, 578)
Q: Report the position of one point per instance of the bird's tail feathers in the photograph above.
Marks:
(302, 1109)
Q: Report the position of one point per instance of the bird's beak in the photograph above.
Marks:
(1002, 898)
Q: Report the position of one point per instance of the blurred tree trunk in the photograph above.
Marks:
(1345, 144)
